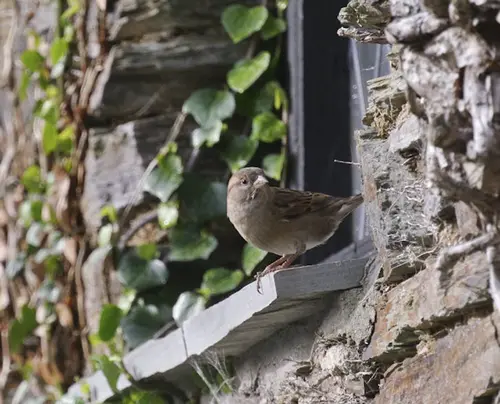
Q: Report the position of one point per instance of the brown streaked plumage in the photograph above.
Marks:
(283, 221)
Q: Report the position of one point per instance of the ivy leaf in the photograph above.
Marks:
(47, 111)
(245, 73)
(109, 211)
(251, 257)
(21, 327)
(240, 22)
(109, 321)
(239, 152)
(220, 280)
(32, 60)
(272, 27)
(140, 274)
(58, 50)
(208, 136)
(165, 178)
(142, 322)
(187, 305)
(273, 165)
(65, 140)
(201, 199)
(209, 106)
(168, 214)
(24, 84)
(105, 235)
(110, 370)
(30, 211)
(143, 397)
(188, 243)
(32, 179)
(49, 137)
(267, 128)
(147, 251)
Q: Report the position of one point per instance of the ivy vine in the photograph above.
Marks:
(53, 244)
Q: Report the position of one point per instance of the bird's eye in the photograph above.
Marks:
(244, 181)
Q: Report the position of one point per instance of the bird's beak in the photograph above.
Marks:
(260, 181)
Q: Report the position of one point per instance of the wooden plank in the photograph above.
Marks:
(247, 317)
(234, 325)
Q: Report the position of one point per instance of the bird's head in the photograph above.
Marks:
(244, 183)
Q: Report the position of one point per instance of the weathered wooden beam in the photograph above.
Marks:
(136, 18)
(234, 325)
(146, 78)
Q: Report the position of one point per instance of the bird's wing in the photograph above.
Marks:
(289, 204)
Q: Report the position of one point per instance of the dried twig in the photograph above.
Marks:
(6, 361)
(6, 76)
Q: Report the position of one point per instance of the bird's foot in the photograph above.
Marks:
(282, 263)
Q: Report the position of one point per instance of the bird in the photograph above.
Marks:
(283, 221)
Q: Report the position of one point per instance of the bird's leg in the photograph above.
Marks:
(281, 263)
(270, 268)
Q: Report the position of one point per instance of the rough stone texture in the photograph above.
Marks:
(152, 77)
(116, 160)
(409, 308)
(136, 18)
(464, 366)
(394, 197)
(312, 361)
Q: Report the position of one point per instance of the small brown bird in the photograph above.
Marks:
(283, 221)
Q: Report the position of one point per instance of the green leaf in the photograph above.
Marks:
(32, 60)
(244, 74)
(49, 138)
(109, 321)
(24, 84)
(251, 257)
(110, 370)
(143, 397)
(105, 235)
(273, 165)
(201, 199)
(32, 179)
(142, 322)
(267, 128)
(70, 11)
(47, 111)
(209, 136)
(168, 214)
(240, 22)
(109, 211)
(30, 211)
(140, 274)
(239, 152)
(58, 50)
(188, 305)
(147, 251)
(272, 27)
(221, 280)
(21, 327)
(65, 140)
(209, 106)
(188, 243)
(165, 178)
